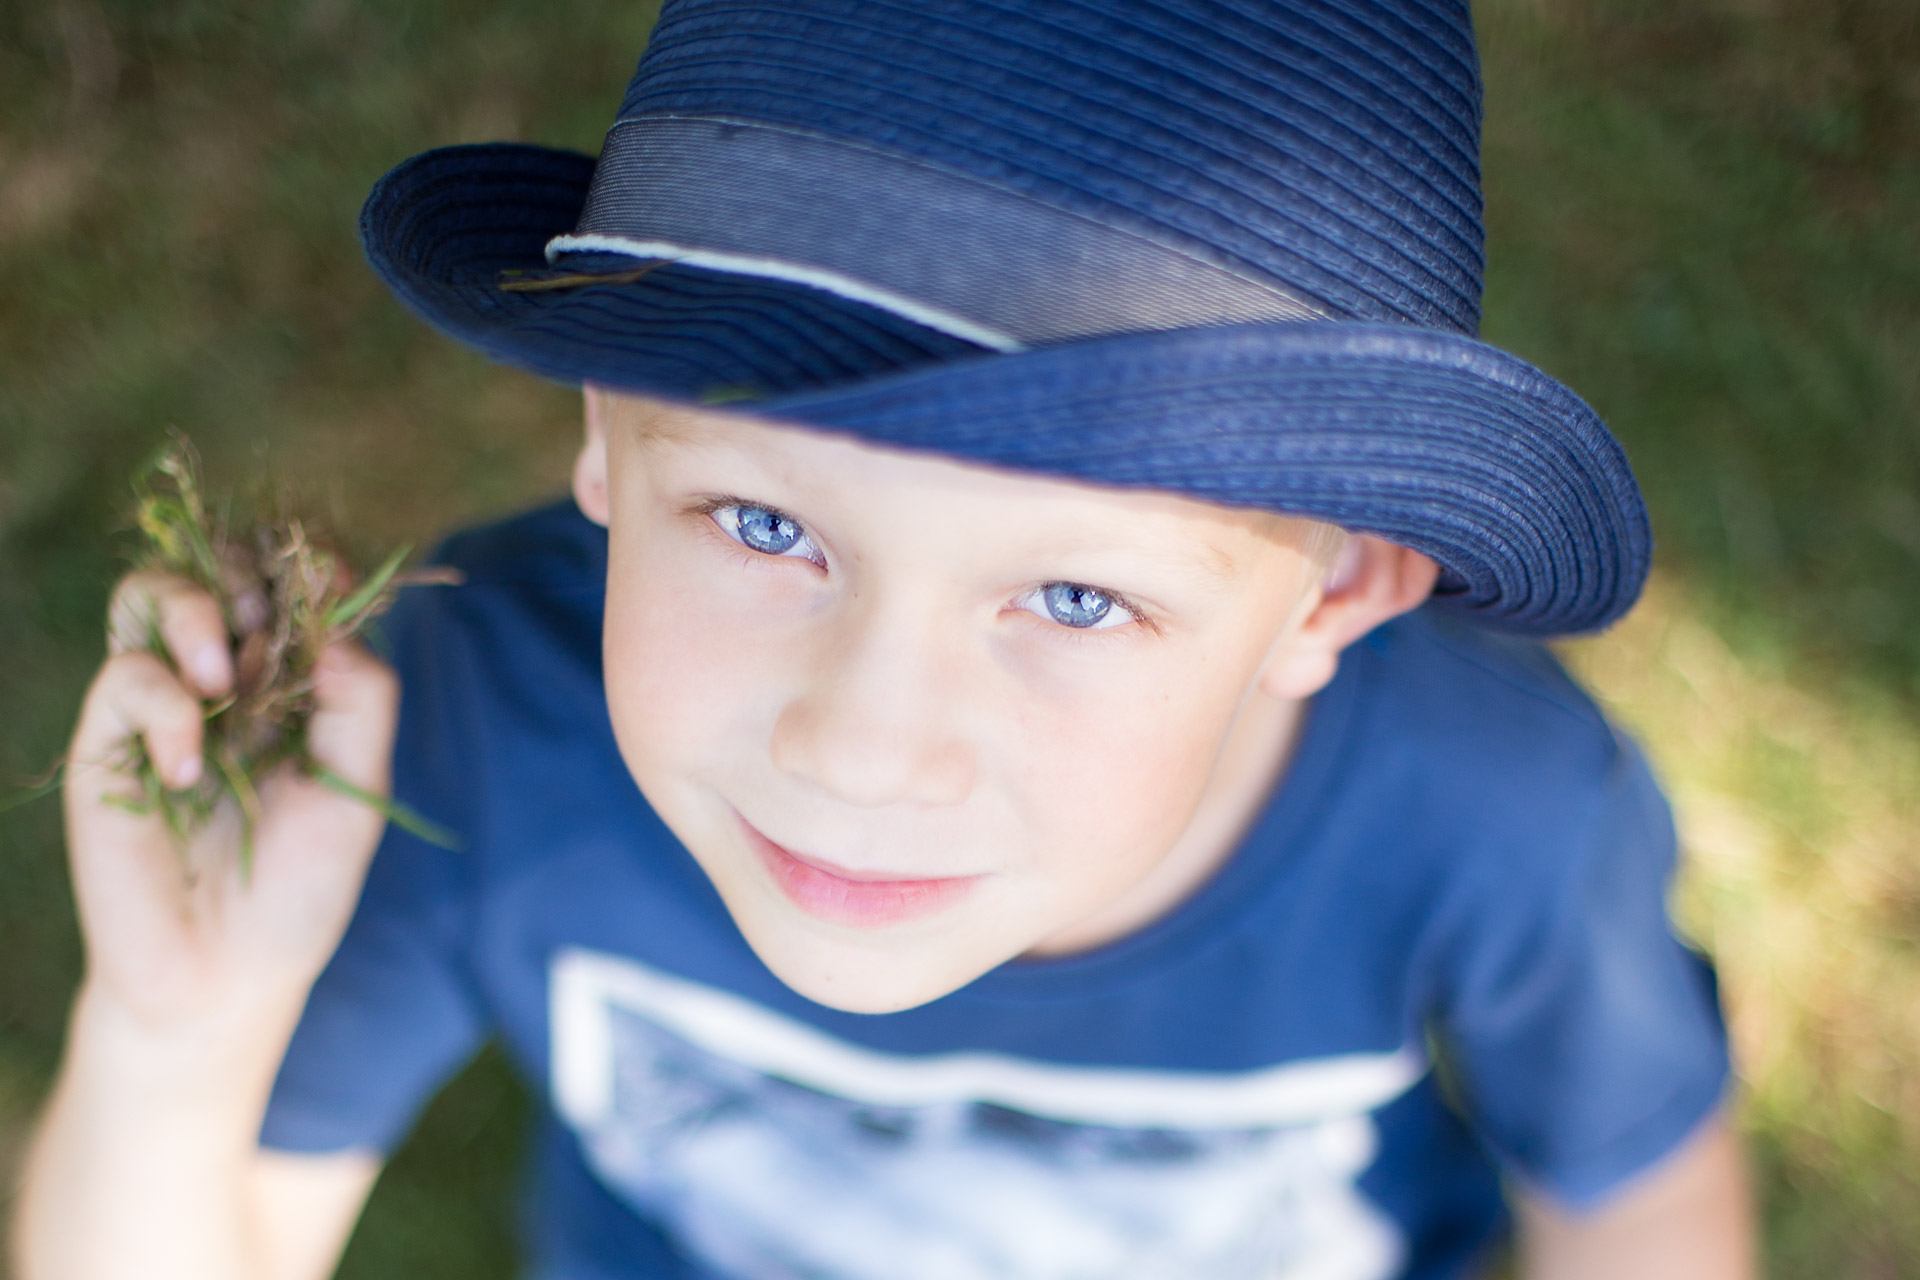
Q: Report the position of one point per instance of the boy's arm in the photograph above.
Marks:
(307, 1206)
(1689, 1217)
(147, 1161)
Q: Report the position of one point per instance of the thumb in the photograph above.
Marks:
(357, 705)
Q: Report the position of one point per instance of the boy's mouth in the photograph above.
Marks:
(861, 899)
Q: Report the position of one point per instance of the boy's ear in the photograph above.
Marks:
(590, 468)
(1371, 581)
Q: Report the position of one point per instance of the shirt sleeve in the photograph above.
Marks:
(1586, 1038)
(396, 1011)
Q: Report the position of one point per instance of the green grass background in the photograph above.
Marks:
(1704, 215)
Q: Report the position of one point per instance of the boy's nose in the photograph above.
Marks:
(876, 723)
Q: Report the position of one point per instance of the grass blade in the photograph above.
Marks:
(27, 795)
(353, 606)
(398, 814)
(249, 801)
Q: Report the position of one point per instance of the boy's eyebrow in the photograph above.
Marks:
(662, 424)
(1207, 559)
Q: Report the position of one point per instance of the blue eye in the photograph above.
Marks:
(1076, 605)
(1072, 605)
(770, 532)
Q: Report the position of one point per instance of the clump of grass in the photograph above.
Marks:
(285, 594)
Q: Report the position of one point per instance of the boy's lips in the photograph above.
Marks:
(861, 899)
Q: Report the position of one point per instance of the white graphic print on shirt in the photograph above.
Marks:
(771, 1150)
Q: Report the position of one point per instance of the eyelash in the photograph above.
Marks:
(713, 508)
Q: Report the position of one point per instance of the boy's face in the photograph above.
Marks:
(916, 718)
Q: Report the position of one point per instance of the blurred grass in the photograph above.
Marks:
(1705, 216)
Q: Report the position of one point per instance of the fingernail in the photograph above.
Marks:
(187, 772)
(209, 664)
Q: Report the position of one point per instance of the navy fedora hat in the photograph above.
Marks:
(1228, 248)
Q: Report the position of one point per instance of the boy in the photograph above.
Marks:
(1058, 849)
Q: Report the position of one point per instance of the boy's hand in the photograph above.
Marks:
(147, 1160)
(177, 945)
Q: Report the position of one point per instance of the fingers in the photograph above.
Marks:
(137, 695)
(183, 617)
(352, 728)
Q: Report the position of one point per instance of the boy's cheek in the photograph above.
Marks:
(1140, 744)
(674, 688)
(1109, 820)
(665, 659)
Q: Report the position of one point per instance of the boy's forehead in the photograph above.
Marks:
(1206, 536)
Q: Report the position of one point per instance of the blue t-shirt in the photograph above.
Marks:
(1442, 955)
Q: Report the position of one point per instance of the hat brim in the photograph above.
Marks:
(1431, 439)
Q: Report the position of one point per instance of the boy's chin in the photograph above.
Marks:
(862, 994)
(858, 972)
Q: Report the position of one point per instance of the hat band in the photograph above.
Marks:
(943, 249)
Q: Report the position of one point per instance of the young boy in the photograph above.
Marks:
(1058, 849)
